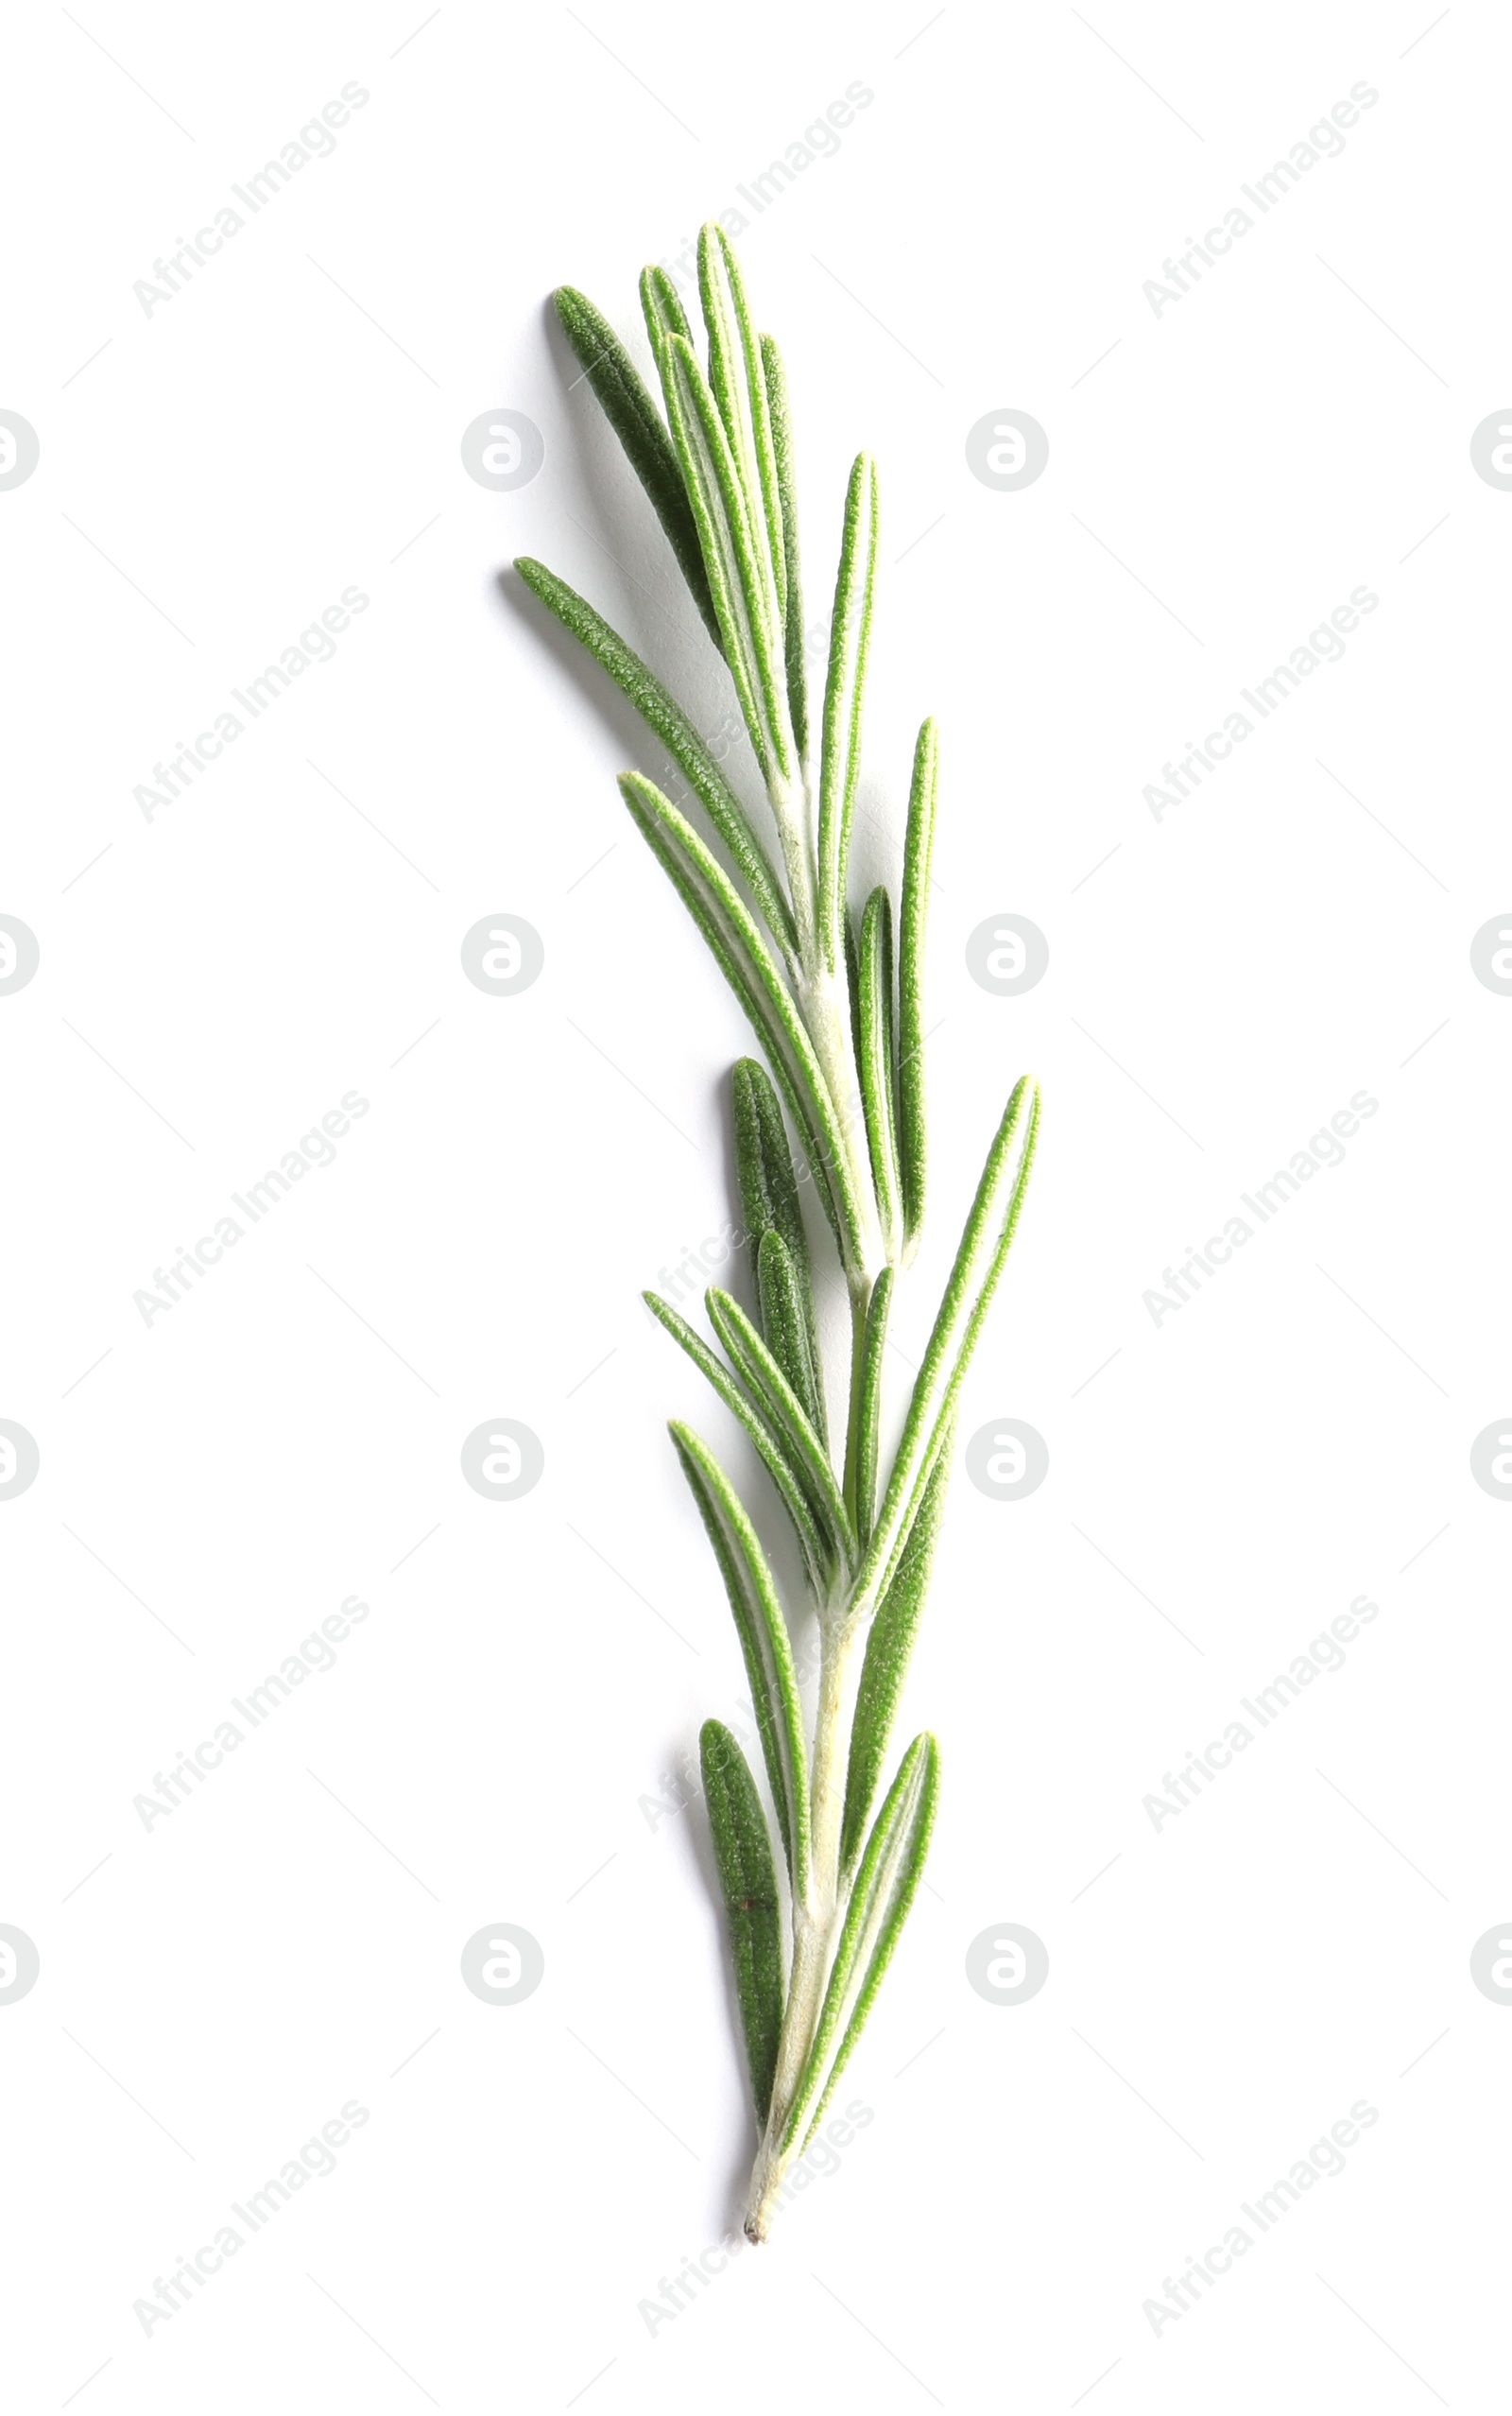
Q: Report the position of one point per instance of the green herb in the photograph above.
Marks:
(836, 1002)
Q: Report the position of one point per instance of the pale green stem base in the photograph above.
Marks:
(824, 1003)
(825, 1006)
(816, 1921)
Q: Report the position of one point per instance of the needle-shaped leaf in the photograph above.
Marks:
(869, 1401)
(746, 962)
(795, 634)
(635, 419)
(889, 1649)
(819, 1556)
(738, 378)
(738, 579)
(852, 984)
(876, 1056)
(918, 851)
(769, 1186)
(764, 1643)
(661, 304)
(984, 1243)
(762, 1376)
(662, 715)
(843, 699)
(784, 1327)
(747, 1882)
(886, 1887)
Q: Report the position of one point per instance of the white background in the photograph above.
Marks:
(1221, 1485)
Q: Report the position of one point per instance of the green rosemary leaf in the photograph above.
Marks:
(665, 717)
(807, 1111)
(738, 580)
(876, 1058)
(747, 1881)
(764, 1643)
(919, 850)
(769, 1188)
(886, 1887)
(869, 1401)
(747, 964)
(638, 423)
(852, 982)
(661, 305)
(889, 1649)
(795, 635)
(761, 1372)
(819, 1557)
(784, 1327)
(843, 699)
(738, 379)
(985, 1240)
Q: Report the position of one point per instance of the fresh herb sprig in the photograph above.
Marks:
(836, 1000)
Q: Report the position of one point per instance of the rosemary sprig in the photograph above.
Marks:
(836, 1002)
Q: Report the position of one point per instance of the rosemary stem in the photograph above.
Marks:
(824, 1003)
(860, 1304)
(793, 812)
(817, 1918)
